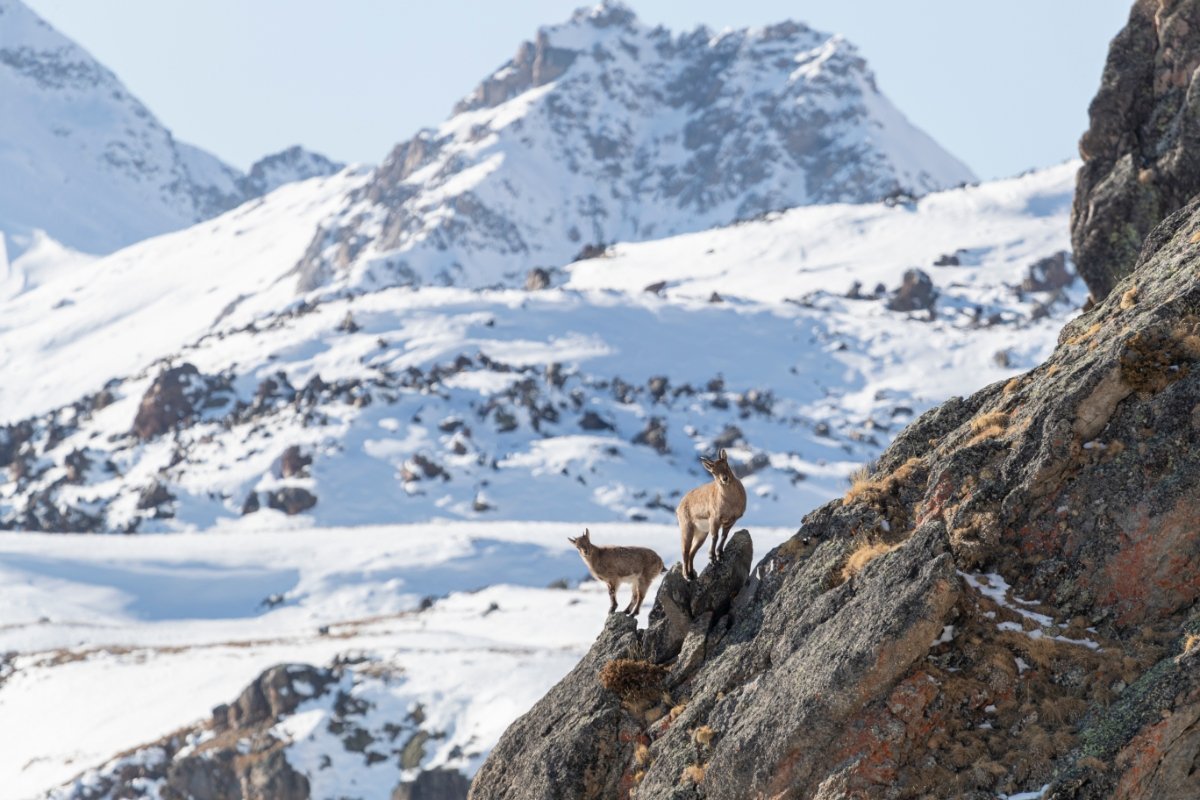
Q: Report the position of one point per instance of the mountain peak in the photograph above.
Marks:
(602, 129)
(606, 14)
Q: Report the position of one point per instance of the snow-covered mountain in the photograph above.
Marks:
(182, 387)
(84, 160)
(603, 129)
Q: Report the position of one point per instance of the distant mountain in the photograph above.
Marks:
(602, 129)
(84, 160)
(183, 386)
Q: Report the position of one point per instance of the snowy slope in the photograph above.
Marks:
(604, 130)
(170, 627)
(82, 159)
(589, 402)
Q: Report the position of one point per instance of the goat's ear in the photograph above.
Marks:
(572, 541)
(708, 465)
(586, 534)
(721, 456)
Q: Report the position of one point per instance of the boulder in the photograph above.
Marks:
(1141, 151)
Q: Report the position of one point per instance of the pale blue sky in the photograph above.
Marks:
(1004, 86)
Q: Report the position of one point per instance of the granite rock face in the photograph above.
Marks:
(1141, 151)
(1006, 602)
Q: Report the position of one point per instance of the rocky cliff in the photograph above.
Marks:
(1004, 604)
(1141, 151)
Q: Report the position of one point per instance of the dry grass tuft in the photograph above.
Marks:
(863, 488)
(641, 755)
(1093, 763)
(703, 735)
(1083, 337)
(1190, 642)
(1195, 237)
(863, 555)
(1012, 386)
(992, 420)
(1129, 299)
(693, 774)
(634, 681)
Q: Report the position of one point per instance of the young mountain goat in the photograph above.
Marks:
(711, 508)
(637, 566)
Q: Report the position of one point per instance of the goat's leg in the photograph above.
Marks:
(688, 535)
(696, 545)
(634, 601)
(724, 537)
(612, 596)
(643, 587)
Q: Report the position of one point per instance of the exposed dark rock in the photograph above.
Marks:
(1049, 274)
(294, 463)
(537, 279)
(154, 495)
(591, 251)
(916, 293)
(656, 288)
(728, 437)
(291, 500)
(654, 435)
(434, 784)
(166, 403)
(591, 421)
(1141, 152)
(251, 504)
(275, 693)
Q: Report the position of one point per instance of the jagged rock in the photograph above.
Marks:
(591, 421)
(728, 437)
(274, 693)
(294, 463)
(154, 495)
(348, 325)
(291, 500)
(537, 279)
(1016, 558)
(1049, 274)
(1141, 152)
(571, 743)
(916, 293)
(434, 784)
(251, 504)
(658, 386)
(166, 403)
(654, 435)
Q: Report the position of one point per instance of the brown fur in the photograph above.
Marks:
(612, 566)
(711, 508)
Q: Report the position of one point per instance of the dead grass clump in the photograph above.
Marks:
(693, 774)
(1093, 763)
(864, 489)
(864, 554)
(1155, 358)
(988, 426)
(703, 735)
(641, 755)
(1129, 299)
(1190, 642)
(1012, 386)
(1062, 710)
(1083, 337)
(636, 682)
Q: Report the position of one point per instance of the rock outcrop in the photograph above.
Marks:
(1141, 152)
(1006, 603)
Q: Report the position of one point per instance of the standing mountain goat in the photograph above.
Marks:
(712, 508)
(637, 566)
